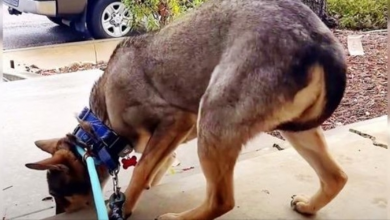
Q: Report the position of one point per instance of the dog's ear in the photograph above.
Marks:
(87, 127)
(55, 163)
(49, 145)
(73, 141)
(38, 166)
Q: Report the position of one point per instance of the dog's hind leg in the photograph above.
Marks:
(312, 147)
(166, 137)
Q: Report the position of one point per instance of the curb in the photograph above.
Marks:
(13, 75)
(345, 128)
(60, 55)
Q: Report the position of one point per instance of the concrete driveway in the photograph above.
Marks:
(265, 177)
(29, 30)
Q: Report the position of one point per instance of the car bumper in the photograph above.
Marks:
(40, 7)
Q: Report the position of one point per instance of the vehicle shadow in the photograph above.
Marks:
(68, 32)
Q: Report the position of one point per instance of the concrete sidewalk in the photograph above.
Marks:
(265, 177)
(265, 184)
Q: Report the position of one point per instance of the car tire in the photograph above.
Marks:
(56, 20)
(107, 19)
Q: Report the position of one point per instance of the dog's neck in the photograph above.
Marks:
(97, 101)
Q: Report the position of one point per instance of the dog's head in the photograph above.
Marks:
(67, 175)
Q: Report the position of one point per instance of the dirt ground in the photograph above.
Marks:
(366, 91)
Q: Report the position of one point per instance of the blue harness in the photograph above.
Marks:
(105, 148)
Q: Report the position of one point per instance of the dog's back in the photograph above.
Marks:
(266, 48)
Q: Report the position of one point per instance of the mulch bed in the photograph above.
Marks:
(67, 69)
(366, 92)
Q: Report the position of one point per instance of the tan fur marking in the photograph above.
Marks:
(315, 110)
(307, 104)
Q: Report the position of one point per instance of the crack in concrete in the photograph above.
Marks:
(374, 142)
(278, 147)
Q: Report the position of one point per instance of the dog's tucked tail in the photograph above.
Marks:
(332, 60)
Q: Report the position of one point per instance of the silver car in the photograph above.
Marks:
(99, 18)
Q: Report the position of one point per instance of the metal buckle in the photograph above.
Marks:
(115, 181)
(126, 151)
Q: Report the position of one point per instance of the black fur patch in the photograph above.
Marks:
(61, 185)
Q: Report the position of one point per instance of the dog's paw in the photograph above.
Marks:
(301, 204)
(169, 216)
(127, 216)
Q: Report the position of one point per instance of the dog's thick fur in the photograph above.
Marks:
(222, 73)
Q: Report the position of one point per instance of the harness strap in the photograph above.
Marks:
(96, 187)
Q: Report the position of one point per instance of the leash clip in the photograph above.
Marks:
(116, 203)
(117, 199)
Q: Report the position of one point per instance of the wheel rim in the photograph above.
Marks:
(116, 19)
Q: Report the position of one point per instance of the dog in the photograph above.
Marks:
(221, 73)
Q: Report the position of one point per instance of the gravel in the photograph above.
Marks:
(365, 96)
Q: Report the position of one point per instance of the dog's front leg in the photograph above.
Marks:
(162, 170)
(170, 160)
(218, 150)
(166, 137)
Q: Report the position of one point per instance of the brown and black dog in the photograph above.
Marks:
(222, 73)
